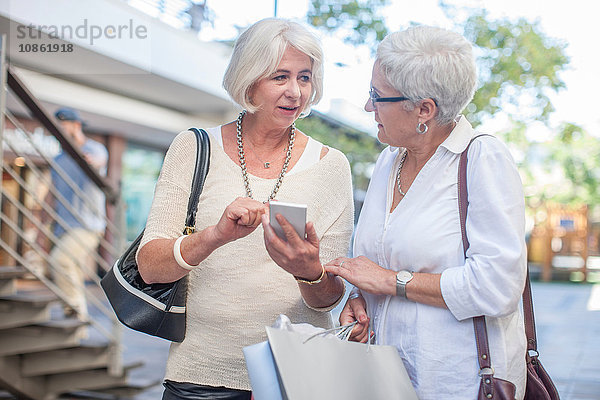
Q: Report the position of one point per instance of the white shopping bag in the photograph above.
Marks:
(327, 368)
(262, 372)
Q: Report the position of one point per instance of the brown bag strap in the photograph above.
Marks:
(479, 322)
(528, 316)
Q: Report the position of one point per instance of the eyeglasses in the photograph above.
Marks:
(375, 98)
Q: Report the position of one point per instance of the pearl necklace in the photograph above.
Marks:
(242, 158)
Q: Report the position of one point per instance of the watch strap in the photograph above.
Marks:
(401, 284)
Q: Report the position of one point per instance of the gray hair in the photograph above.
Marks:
(427, 62)
(259, 50)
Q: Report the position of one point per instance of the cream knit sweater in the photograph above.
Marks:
(238, 289)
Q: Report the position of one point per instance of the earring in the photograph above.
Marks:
(422, 128)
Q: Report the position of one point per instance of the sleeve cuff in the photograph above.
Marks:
(454, 295)
(354, 293)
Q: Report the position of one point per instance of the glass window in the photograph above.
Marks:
(141, 167)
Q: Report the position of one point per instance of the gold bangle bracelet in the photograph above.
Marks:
(318, 280)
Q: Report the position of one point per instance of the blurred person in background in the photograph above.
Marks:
(85, 222)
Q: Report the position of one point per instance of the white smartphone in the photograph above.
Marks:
(295, 214)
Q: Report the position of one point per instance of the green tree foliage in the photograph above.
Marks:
(360, 21)
(519, 65)
(575, 153)
(360, 148)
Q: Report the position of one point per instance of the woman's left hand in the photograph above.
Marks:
(298, 256)
(364, 274)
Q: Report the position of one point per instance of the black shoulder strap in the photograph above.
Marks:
(200, 172)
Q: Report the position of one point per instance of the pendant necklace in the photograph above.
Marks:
(266, 164)
(399, 173)
(242, 158)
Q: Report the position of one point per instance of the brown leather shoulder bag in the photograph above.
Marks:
(539, 385)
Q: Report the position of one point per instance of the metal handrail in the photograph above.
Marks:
(28, 219)
(107, 312)
(109, 225)
(51, 212)
(89, 274)
(11, 117)
(15, 84)
(2, 99)
(48, 283)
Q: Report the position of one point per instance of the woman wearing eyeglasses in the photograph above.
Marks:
(414, 287)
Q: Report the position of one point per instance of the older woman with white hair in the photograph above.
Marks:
(241, 279)
(413, 283)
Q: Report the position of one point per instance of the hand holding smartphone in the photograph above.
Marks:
(294, 213)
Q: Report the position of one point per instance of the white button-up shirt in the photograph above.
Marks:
(423, 235)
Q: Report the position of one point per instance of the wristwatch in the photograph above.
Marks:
(402, 279)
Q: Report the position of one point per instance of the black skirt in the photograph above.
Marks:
(190, 391)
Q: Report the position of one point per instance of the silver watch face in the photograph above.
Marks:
(404, 276)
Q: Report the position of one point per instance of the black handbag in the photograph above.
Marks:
(157, 309)
(539, 386)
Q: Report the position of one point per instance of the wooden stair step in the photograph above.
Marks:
(131, 389)
(97, 379)
(50, 335)
(66, 324)
(21, 309)
(21, 387)
(65, 360)
(52, 386)
(32, 297)
(7, 288)
(7, 272)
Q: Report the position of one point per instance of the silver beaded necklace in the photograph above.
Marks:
(242, 157)
(400, 172)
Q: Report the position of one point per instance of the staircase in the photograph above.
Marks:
(45, 355)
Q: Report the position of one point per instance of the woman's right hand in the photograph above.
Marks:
(239, 219)
(355, 310)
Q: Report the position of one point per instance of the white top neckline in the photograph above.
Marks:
(310, 156)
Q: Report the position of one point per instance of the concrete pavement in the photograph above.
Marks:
(568, 331)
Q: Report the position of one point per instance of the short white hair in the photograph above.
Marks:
(259, 50)
(425, 62)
